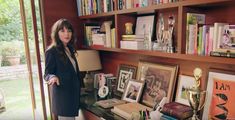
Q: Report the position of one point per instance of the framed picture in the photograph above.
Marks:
(160, 80)
(133, 91)
(220, 95)
(144, 25)
(125, 72)
(183, 83)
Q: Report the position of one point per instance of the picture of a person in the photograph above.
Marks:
(132, 92)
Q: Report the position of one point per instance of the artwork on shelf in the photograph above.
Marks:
(125, 72)
(144, 25)
(220, 95)
(133, 91)
(184, 82)
(159, 79)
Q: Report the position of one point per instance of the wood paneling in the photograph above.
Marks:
(54, 10)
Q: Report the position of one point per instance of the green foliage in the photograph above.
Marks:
(10, 23)
(10, 20)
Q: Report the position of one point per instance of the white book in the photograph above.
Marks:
(107, 26)
(216, 34)
(192, 38)
(126, 110)
(211, 35)
(134, 45)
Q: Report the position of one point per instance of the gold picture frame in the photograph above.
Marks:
(160, 81)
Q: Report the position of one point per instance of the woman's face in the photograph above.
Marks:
(65, 35)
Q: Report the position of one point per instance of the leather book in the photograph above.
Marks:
(177, 110)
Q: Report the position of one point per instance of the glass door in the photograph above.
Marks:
(21, 80)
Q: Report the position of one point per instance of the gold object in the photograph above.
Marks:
(195, 95)
(129, 30)
(197, 75)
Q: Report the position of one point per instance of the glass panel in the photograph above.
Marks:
(14, 80)
(14, 76)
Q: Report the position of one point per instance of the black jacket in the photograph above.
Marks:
(65, 97)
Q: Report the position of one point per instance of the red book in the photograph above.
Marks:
(177, 110)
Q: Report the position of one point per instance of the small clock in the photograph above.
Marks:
(103, 91)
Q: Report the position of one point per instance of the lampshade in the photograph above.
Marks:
(88, 60)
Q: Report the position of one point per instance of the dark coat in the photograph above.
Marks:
(65, 97)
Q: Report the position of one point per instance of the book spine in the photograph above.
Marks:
(175, 113)
(222, 54)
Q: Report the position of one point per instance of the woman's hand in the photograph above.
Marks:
(54, 80)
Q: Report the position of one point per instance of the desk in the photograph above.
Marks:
(93, 112)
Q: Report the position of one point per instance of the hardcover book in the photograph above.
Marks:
(126, 110)
(222, 54)
(109, 102)
(178, 110)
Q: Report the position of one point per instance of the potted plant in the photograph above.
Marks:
(11, 55)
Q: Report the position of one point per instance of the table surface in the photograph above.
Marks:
(88, 100)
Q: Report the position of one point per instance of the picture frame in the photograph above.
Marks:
(160, 82)
(133, 91)
(184, 82)
(220, 95)
(144, 25)
(125, 72)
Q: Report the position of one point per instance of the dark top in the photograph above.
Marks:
(65, 97)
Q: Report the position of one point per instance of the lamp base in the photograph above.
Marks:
(88, 82)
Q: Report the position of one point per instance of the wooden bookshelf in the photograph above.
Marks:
(215, 11)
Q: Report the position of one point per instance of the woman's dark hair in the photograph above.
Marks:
(56, 41)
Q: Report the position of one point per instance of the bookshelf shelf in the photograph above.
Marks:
(196, 58)
(107, 14)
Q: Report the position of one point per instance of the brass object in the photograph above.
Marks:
(129, 30)
(195, 95)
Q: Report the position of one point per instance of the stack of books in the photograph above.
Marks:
(176, 111)
(109, 102)
(135, 42)
(126, 110)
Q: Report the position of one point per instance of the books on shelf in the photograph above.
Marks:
(126, 110)
(127, 4)
(133, 45)
(89, 7)
(177, 110)
(194, 20)
(222, 54)
(133, 37)
(217, 33)
(109, 102)
(90, 28)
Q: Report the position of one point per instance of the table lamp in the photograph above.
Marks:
(88, 60)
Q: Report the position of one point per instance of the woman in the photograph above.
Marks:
(61, 71)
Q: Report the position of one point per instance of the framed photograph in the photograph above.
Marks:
(133, 91)
(220, 95)
(184, 82)
(144, 25)
(125, 72)
(160, 82)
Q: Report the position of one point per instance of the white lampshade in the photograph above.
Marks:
(88, 60)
